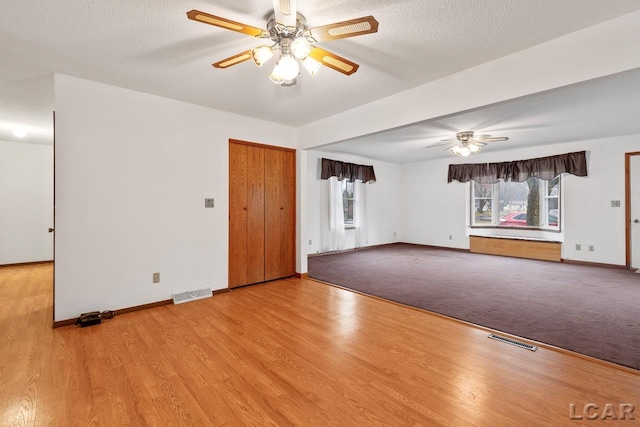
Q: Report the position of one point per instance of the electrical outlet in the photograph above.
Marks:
(615, 203)
(450, 237)
(591, 248)
(578, 247)
(310, 242)
(394, 234)
(156, 277)
(208, 203)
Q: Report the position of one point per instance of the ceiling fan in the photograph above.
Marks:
(466, 142)
(288, 32)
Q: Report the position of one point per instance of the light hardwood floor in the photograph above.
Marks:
(289, 352)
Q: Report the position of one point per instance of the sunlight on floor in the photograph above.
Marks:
(347, 307)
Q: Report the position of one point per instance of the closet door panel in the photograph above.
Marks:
(238, 215)
(287, 214)
(272, 160)
(255, 209)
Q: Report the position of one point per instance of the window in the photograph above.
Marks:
(348, 201)
(534, 203)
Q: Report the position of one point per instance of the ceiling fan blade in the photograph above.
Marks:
(450, 140)
(340, 30)
(227, 24)
(440, 145)
(334, 61)
(489, 138)
(478, 143)
(285, 12)
(233, 60)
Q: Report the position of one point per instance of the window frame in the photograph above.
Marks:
(544, 197)
(349, 223)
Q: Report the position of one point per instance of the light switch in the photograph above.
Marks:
(208, 203)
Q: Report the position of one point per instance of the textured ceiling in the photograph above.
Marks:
(151, 46)
(600, 108)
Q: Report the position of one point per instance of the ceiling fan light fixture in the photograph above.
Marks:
(464, 136)
(275, 76)
(466, 143)
(261, 54)
(311, 65)
(288, 30)
(300, 48)
(474, 148)
(287, 67)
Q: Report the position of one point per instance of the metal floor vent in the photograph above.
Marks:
(513, 342)
(192, 295)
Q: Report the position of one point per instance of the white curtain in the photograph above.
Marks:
(332, 222)
(360, 214)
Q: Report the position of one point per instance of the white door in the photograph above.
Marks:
(634, 180)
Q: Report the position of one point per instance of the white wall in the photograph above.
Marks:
(433, 209)
(26, 202)
(132, 172)
(382, 201)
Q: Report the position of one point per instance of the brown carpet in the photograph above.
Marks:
(589, 310)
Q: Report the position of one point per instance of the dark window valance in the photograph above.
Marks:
(348, 171)
(521, 170)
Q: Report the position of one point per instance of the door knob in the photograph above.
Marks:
(51, 229)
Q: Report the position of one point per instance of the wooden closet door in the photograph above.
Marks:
(255, 220)
(288, 214)
(246, 215)
(279, 214)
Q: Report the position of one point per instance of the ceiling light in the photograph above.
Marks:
(474, 148)
(276, 76)
(261, 54)
(464, 149)
(287, 67)
(311, 65)
(20, 132)
(300, 48)
(467, 142)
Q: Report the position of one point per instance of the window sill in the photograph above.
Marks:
(531, 239)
